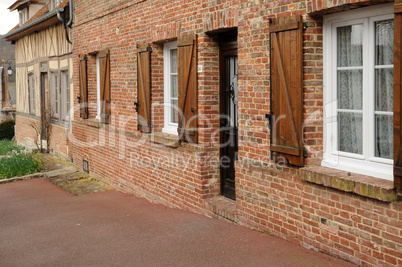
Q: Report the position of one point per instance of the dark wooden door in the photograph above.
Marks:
(43, 104)
(229, 119)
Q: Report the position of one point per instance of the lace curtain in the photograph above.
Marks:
(384, 87)
(350, 88)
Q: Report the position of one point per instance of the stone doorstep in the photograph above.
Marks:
(223, 207)
(363, 185)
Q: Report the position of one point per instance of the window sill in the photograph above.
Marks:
(93, 123)
(165, 139)
(362, 185)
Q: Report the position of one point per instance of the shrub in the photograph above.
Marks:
(19, 164)
(7, 129)
(7, 146)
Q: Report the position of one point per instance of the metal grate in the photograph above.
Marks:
(85, 165)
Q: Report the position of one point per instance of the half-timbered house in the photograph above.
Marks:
(43, 57)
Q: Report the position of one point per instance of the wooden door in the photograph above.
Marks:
(229, 115)
(44, 90)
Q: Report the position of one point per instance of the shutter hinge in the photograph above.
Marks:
(151, 125)
(305, 153)
(269, 119)
(305, 26)
(150, 49)
(136, 106)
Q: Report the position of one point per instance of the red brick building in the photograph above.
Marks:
(285, 107)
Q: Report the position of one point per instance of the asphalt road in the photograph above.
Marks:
(42, 225)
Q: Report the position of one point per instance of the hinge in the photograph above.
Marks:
(151, 125)
(269, 119)
(305, 26)
(150, 49)
(305, 153)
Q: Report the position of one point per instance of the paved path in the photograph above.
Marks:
(42, 225)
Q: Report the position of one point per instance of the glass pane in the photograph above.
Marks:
(174, 112)
(350, 132)
(384, 136)
(173, 60)
(384, 79)
(384, 42)
(174, 86)
(350, 89)
(350, 48)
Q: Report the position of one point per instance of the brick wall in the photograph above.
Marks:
(26, 135)
(270, 197)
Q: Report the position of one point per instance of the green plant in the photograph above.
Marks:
(19, 164)
(7, 129)
(7, 146)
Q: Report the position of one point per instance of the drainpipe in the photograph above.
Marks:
(63, 19)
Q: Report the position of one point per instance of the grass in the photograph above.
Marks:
(7, 146)
(19, 164)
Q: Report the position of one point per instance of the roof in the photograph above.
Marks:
(41, 20)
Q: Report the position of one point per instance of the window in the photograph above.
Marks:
(55, 95)
(358, 94)
(98, 95)
(65, 90)
(170, 88)
(55, 3)
(23, 16)
(31, 93)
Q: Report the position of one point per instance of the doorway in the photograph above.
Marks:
(228, 112)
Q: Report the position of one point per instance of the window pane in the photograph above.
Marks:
(384, 42)
(174, 113)
(350, 89)
(174, 86)
(350, 48)
(350, 132)
(384, 79)
(173, 60)
(384, 136)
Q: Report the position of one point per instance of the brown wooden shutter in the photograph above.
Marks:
(104, 76)
(188, 92)
(144, 87)
(83, 98)
(287, 89)
(397, 95)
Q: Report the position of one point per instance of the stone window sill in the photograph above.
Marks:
(93, 123)
(165, 139)
(362, 185)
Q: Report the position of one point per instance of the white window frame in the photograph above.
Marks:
(65, 90)
(169, 126)
(98, 96)
(55, 88)
(367, 163)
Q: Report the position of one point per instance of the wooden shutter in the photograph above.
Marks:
(144, 87)
(188, 92)
(104, 76)
(287, 89)
(83, 98)
(397, 95)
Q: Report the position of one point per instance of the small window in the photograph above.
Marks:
(55, 3)
(31, 93)
(171, 114)
(65, 92)
(55, 95)
(23, 16)
(98, 95)
(358, 76)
